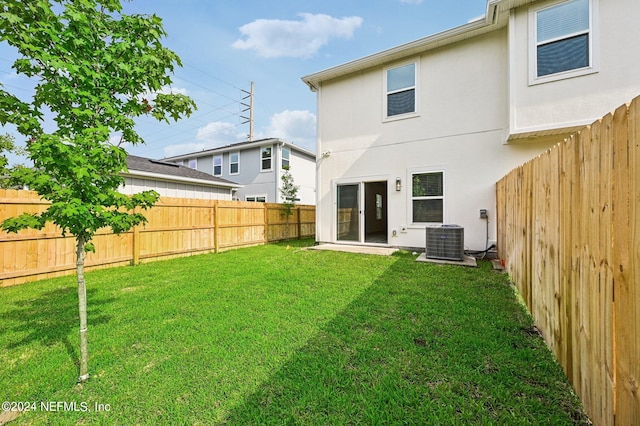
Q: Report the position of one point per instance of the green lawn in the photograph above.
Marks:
(282, 335)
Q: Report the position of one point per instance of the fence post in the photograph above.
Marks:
(136, 243)
(216, 228)
(136, 246)
(266, 222)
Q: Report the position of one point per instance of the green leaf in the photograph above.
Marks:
(91, 64)
(10, 18)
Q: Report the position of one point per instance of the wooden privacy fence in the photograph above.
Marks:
(569, 232)
(176, 227)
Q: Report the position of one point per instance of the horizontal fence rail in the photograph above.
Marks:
(176, 227)
(569, 233)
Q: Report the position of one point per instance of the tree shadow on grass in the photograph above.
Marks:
(399, 354)
(50, 318)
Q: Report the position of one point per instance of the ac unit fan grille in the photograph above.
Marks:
(445, 242)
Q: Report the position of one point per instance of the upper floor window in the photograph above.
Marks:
(401, 85)
(192, 163)
(265, 158)
(234, 163)
(563, 40)
(217, 165)
(286, 157)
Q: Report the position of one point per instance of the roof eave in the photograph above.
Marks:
(298, 148)
(490, 22)
(238, 147)
(171, 178)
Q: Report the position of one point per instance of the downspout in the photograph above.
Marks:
(278, 169)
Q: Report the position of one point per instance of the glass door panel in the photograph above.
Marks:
(348, 214)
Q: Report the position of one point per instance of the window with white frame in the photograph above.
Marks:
(234, 163)
(562, 43)
(401, 85)
(286, 157)
(217, 165)
(427, 197)
(265, 158)
(192, 163)
(256, 198)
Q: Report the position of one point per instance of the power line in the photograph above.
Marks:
(212, 76)
(194, 122)
(206, 88)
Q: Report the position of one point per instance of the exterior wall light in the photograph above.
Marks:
(398, 184)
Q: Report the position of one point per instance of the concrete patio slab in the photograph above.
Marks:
(381, 251)
(468, 261)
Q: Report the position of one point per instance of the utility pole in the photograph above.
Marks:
(248, 107)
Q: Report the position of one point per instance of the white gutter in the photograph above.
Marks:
(240, 147)
(297, 148)
(467, 30)
(228, 148)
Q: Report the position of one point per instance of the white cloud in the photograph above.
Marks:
(220, 133)
(274, 38)
(175, 90)
(166, 90)
(297, 127)
(212, 135)
(172, 150)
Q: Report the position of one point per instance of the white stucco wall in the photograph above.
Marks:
(472, 95)
(580, 99)
(463, 122)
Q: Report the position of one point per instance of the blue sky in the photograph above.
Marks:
(226, 44)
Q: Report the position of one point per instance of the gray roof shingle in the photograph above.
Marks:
(171, 169)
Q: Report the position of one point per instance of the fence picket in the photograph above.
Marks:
(582, 285)
(176, 227)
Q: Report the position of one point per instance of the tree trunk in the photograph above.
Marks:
(82, 308)
(286, 230)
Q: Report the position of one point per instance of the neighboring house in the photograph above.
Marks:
(419, 134)
(173, 180)
(258, 165)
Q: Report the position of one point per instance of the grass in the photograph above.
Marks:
(281, 335)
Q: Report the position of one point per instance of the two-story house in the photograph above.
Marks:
(418, 135)
(258, 166)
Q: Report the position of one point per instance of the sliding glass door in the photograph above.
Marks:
(348, 217)
(362, 212)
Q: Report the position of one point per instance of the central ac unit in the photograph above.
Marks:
(445, 242)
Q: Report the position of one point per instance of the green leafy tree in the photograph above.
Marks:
(7, 146)
(289, 192)
(96, 70)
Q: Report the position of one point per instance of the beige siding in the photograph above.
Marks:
(175, 189)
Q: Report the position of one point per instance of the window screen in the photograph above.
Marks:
(428, 197)
(562, 37)
(217, 165)
(234, 163)
(401, 90)
(265, 158)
